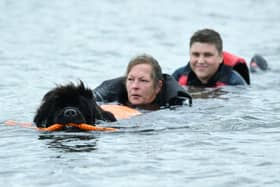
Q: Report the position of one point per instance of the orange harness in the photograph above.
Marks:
(119, 111)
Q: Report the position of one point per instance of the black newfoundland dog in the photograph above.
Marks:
(70, 103)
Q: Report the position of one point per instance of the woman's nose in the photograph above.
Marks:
(135, 84)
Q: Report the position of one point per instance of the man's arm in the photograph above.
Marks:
(236, 79)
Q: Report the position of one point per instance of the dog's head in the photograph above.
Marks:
(70, 104)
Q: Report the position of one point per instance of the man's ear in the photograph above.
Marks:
(221, 56)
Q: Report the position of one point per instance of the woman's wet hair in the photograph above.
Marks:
(208, 36)
(146, 59)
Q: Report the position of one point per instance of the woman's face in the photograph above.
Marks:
(140, 86)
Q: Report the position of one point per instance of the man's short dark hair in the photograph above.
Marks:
(208, 36)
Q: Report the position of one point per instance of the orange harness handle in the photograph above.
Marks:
(119, 111)
(57, 127)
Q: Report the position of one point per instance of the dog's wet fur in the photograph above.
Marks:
(70, 103)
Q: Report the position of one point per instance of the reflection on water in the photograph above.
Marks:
(206, 93)
(74, 142)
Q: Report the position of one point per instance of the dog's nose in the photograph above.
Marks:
(70, 112)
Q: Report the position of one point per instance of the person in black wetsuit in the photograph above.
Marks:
(143, 86)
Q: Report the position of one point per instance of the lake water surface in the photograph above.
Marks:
(230, 137)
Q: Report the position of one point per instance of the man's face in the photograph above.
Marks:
(204, 60)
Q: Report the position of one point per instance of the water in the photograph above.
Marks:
(230, 137)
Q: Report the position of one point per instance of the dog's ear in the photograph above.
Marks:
(39, 119)
(43, 113)
(42, 116)
(104, 115)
